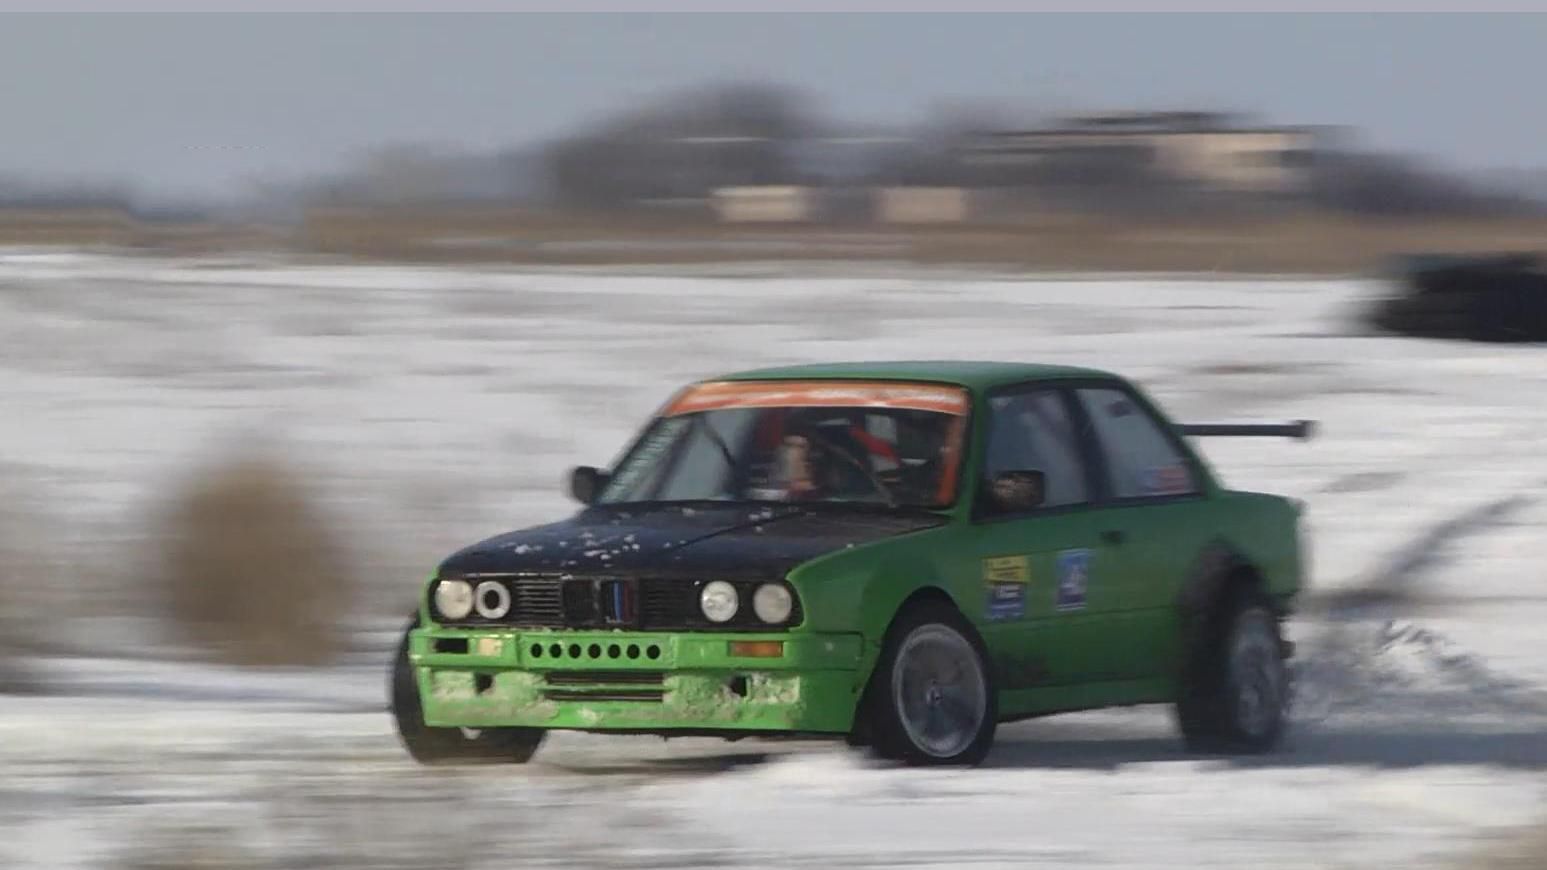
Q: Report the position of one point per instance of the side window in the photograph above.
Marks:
(1033, 432)
(1142, 461)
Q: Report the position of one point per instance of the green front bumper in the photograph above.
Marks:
(634, 681)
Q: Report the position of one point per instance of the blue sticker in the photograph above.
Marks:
(1073, 578)
(1006, 600)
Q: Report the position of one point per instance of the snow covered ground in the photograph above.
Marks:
(437, 405)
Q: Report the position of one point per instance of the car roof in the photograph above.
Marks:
(972, 374)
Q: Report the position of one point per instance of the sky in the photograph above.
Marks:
(194, 105)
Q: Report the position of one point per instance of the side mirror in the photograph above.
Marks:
(1014, 491)
(586, 483)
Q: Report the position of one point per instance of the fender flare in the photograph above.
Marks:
(924, 590)
(1219, 567)
(1213, 571)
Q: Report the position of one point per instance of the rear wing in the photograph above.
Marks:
(1300, 430)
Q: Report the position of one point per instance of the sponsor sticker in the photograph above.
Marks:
(1167, 480)
(1005, 579)
(1006, 600)
(1007, 569)
(1120, 408)
(1073, 580)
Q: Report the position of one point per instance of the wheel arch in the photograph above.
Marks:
(883, 611)
(924, 593)
(1221, 570)
(1221, 576)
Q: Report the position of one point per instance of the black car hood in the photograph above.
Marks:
(678, 540)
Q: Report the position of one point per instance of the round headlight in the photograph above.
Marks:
(454, 598)
(772, 603)
(492, 599)
(718, 601)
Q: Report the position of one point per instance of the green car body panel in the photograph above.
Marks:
(1124, 642)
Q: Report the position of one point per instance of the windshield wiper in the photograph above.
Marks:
(714, 435)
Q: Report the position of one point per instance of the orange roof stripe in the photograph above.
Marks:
(715, 395)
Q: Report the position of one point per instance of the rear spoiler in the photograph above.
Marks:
(1300, 430)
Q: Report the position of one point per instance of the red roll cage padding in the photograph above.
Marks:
(876, 445)
(950, 459)
(770, 431)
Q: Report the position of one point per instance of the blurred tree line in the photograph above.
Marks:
(674, 151)
(682, 146)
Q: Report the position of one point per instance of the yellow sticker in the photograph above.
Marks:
(491, 646)
(1007, 569)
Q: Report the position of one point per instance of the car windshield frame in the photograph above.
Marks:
(691, 406)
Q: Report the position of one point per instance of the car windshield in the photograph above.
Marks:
(895, 444)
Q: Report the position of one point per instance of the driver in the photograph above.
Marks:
(811, 465)
(798, 462)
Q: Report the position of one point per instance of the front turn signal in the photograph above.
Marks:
(757, 649)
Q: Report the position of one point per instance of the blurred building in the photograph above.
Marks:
(765, 204)
(923, 205)
(1208, 149)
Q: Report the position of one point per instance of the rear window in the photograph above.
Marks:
(1142, 462)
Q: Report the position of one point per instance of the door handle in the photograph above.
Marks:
(1113, 536)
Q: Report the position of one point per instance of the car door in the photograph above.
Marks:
(1042, 567)
(1152, 508)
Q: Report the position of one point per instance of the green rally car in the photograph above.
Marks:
(900, 554)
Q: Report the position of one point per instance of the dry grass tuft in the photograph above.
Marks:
(253, 573)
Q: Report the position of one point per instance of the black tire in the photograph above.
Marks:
(428, 745)
(1235, 690)
(921, 641)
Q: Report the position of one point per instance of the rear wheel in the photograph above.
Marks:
(428, 745)
(1235, 696)
(931, 699)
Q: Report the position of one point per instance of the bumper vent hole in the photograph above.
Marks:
(595, 650)
(574, 650)
(484, 683)
(613, 651)
(537, 650)
(737, 685)
(633, 650)
(451, 645)
(652, 652)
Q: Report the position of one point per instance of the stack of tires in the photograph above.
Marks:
(1498, 298)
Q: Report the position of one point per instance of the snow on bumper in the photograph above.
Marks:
(637, 681)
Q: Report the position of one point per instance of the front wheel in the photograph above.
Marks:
(931, 699)
(1236, 696)
(428, 745)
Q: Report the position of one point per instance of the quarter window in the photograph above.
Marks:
(1141, 461)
